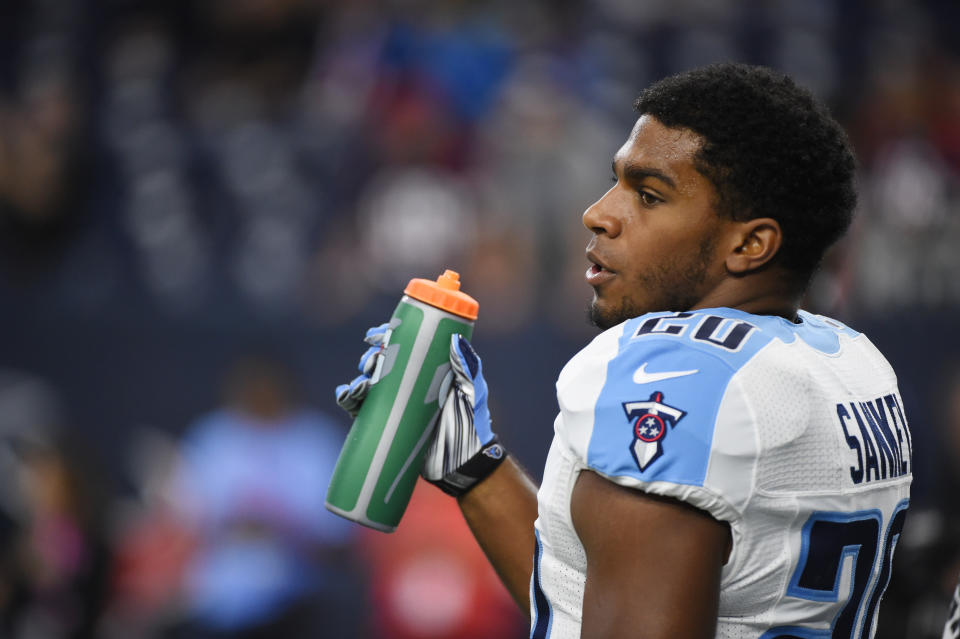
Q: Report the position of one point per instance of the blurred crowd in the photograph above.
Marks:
(198, 195)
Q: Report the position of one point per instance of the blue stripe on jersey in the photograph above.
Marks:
(683, 362)
(542, 611)
(819, 332)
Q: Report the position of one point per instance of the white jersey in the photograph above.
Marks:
(793, 433)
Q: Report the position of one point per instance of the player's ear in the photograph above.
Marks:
(756, 242)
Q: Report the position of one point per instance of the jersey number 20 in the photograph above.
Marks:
(828, 538)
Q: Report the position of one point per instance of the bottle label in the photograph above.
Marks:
(417, 420)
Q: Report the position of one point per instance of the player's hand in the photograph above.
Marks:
(350, 396)
(464, 449)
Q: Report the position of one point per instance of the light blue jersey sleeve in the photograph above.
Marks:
(653, 416)
(641, 404)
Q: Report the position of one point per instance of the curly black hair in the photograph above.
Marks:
(769, 148)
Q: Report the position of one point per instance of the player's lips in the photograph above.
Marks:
(599, 272)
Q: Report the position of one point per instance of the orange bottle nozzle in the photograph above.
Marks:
(450, 280)
(445, 294)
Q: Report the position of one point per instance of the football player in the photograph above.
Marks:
(724, 464)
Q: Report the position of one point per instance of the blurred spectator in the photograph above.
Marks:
(151, 544)
(430, 580)
(416, 221)
(42, 173)
(269, 561)
(54, 560)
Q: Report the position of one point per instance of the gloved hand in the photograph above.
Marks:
(464, 449)
(350, 396)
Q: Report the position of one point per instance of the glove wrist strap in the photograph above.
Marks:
(474, 470)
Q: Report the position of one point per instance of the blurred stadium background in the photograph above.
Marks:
(188, 184)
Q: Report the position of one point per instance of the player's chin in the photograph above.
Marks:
(600, 315)
(611, 307)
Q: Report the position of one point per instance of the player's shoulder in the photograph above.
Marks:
(727, 335)
(696, 352)
(642, 404)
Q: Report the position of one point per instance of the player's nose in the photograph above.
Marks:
(601, 217)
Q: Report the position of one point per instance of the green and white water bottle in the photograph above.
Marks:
(381, 458)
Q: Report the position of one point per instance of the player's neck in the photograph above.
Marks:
(756, 295)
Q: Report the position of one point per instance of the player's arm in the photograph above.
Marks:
(653, 563)
(500, 511)
(466, 460)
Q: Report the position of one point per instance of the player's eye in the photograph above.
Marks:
(648, 199)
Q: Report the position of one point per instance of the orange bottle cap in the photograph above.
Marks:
(445, 294)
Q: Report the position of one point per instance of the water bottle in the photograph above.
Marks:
(381, 459)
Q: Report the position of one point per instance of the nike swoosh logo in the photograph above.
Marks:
(641, 376)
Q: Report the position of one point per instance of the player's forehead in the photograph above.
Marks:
(667, 149)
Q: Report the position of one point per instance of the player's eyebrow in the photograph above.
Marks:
(637, 172)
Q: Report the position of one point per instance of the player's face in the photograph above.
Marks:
(655, 243)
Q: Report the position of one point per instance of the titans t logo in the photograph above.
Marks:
(650, 420)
